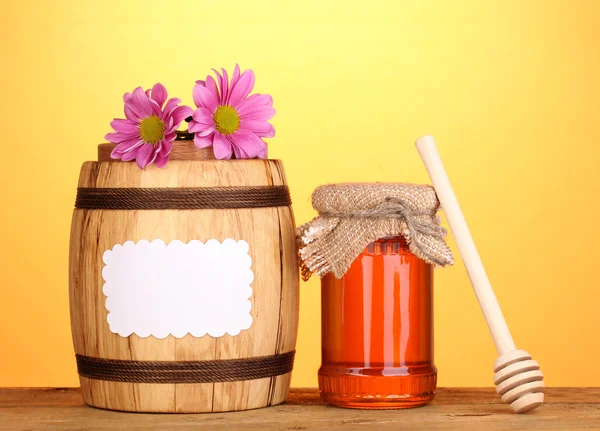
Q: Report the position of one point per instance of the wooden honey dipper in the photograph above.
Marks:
(517, 377)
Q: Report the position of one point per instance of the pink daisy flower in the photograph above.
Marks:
(230, 120)
(148, 132)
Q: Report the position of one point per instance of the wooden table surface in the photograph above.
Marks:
(453, 408)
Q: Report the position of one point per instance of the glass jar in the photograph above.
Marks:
(377, 330)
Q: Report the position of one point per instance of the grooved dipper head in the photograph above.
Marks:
(519, 381)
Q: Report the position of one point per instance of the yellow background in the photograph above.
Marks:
(510, 90)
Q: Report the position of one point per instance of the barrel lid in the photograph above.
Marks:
(182, 150)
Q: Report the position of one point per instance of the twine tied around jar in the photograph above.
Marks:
(351, 216)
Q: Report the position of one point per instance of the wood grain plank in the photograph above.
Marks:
(71, 397)
(453, 408)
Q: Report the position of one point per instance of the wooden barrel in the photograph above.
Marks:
(183, 283)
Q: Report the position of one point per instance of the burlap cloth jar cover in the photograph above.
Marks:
(353, 215)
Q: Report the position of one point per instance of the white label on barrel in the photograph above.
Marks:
(196, 288)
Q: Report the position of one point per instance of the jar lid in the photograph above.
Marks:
(352, 215)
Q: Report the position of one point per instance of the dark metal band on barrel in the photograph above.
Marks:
(182, 198)
(214, 371)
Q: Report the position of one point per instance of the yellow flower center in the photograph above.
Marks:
(152, 129)
(226, 120)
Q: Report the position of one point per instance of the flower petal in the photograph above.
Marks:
(116, 137)
(170, 107)
(225, 88)
(222, 147)
(126, 146)
(204, 97)
(203, 115)
(196, 127)
(269, 134)
(249, 142)
(222, 86)
(130, 114)
(239, 152)
(161, 160)
(236, 75)
(157, 149)
(242, 88)
(113, 137)
(263, 153)
(203, 141)
(145, 155)
(170, 137)
(129, 145)
(258, 112)
(167, 146)
(181, 113)
(156, 108)
(131, 155)
(170, 126)
(159, 94)
(140, 103)
(124, 126)
(207, 131)
(260, 128)
(211, 86)
(253, 100)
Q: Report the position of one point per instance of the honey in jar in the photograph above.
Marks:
(377, 330)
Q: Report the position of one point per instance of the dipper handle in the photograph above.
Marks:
(518, 377)
(479, 279)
